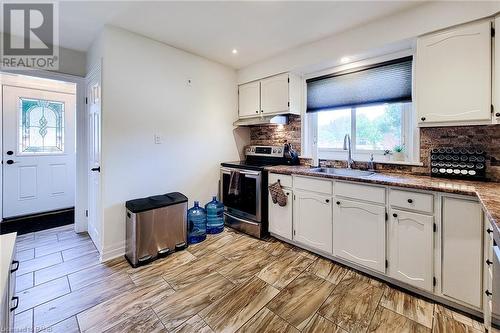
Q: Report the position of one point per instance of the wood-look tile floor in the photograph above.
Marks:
(229, 283)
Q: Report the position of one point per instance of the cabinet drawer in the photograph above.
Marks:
(422, 202)
(285, 180)
(360, 192)
(313, 185)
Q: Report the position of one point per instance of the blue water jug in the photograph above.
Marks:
(197, 222)
(215, 216)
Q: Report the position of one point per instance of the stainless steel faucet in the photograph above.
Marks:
(347, 146)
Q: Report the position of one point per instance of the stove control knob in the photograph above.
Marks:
(274, 151)
(279, 150)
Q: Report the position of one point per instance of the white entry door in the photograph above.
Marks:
(94, 155)
(38, 151)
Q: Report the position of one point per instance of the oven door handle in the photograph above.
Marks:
(245, 172)
(240, 220)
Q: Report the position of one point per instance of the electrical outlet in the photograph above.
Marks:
(157, 139)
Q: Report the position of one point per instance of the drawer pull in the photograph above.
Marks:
(395, 215)
(287, 193)
(489, 230)
(489, 262)
(488, 293)
(15, 299)
(410, 200)
(15, 266)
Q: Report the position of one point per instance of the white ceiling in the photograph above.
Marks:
(258, 30)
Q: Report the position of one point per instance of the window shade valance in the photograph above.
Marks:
(381, 83)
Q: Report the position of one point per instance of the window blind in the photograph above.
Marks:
(385, 82)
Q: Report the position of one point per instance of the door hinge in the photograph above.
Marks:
(492, 108)
(288, 104)
(288, 80)
(434, 281)
(492, 32)
(86, 213)
(294, 232)
(294, 197)
(86, 100)
(434, 227)
(386, 264)
(386, 216)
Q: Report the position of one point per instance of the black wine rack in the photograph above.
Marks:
(463, 163)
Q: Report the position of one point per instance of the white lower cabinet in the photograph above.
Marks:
(312, 220)
(411, 250)
(280, 218)
(359, 233)
(462, 250)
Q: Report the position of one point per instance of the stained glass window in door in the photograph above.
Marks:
(41, 126)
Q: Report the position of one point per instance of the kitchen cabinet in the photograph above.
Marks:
(359, 233)
(453, 76)
(249, 99)
(462, 250)
(496, 75)
(8, 268)
(274, 94)
(411, 249)
(312, 220)
(280, 218)
(278, 94)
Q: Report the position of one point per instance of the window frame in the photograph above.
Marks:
(410, 133)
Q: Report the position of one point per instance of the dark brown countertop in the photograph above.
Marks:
(488, 193)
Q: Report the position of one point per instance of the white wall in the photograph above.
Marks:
(386, 35)
(145, 91)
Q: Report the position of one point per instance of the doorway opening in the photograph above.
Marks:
(39, 160)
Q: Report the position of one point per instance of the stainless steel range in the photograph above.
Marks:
(244, 187)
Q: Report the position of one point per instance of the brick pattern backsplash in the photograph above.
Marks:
(276, 135)
(485, 137)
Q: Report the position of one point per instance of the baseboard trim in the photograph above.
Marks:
(38, 222)
(114, 251)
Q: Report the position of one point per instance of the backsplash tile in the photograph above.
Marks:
(486, 137)
(276, 135)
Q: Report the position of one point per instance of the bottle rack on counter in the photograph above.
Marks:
(463, 163)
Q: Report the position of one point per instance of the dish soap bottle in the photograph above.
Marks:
(197, 223)
(215, 216)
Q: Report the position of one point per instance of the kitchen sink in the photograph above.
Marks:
(344, 172)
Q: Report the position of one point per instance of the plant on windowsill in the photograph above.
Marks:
(398, 153)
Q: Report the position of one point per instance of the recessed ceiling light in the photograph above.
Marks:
(234, 51)
(345, 60)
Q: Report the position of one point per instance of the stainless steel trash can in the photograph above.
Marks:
(155, 227)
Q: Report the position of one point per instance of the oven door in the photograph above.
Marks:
(248, 203)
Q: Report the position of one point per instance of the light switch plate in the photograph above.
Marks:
(157, 139)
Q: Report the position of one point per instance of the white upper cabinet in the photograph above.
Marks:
(411, 248)
(274, 94)
(312, 220)
(279, 94)
(359, 233)
(496, 76)
(453, 76)
(249, 99)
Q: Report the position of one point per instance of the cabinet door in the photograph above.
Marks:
(312, 220)
(496, 76)
(453, 75)
(274, 94)
(359, 233)
(280, 218)
(462, 250)
(249, 99)
(411, 248)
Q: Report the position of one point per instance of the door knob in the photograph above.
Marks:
(9, 162)
(98, 169)
(10, 152)
(395, 215)
(410, 200)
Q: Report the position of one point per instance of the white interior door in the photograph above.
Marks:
(38, 151)
(94, 158)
